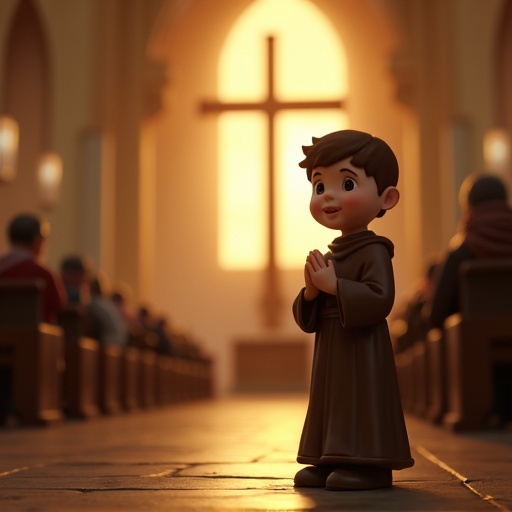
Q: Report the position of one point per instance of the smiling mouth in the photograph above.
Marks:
(331, 209)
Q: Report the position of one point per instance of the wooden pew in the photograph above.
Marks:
(81, 379)
(477, 339)
(32, 352)
(420, 378)
(130, 378)
(146, 342)
(175, 380)
(192, 378)
(436, 376)
(148, 378)
(110, 381)
(206, 377)
(404, 362)
(164, 386)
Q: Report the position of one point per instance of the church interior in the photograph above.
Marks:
(114, 99)
(125, 142)
(160, 140)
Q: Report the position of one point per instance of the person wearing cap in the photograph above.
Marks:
(27, 235)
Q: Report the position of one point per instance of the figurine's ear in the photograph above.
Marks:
(390, 197)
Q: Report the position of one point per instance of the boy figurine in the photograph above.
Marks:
(354, 434)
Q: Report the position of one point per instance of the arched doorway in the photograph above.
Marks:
(27, 99)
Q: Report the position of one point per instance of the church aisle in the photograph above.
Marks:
(233, 454)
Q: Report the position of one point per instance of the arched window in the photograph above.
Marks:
(310, 66)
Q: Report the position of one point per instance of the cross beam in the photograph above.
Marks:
(272, 298)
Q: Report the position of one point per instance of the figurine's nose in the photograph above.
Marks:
(328, 194)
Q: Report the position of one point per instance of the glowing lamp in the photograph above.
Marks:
(49, 175)
(9, 133)
(497, 150)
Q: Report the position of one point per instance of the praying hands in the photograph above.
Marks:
(318, 275)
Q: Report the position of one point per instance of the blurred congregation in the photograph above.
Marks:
(453, 336)
(72, 345)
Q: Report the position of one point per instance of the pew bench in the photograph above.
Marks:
(130, 378)
(477, 339)
(31, 352)
(81, 378)
(110, 380)
(148, 378)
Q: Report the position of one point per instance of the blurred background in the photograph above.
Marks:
(161, 140)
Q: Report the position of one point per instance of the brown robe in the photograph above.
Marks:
(355, 412)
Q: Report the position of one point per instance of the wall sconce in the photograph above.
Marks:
(9, 133)
(497, 150)
(49, 174)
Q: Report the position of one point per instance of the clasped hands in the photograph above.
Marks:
(318, 275)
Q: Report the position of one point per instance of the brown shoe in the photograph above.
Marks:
(312, 476)
(359, 478)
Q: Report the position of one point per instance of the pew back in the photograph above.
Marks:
(477, 339)
(32, 352)
(21, 302)
(486, 287)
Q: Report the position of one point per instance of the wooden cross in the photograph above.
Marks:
(272, 298)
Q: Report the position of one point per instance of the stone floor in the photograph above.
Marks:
(233, 454)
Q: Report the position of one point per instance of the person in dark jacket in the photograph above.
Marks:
(485, 232)
(27, 235)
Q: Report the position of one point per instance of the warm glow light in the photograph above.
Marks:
(242, 199)
(49, 178)
(310, 65)
(497, 150)
(298, 232)
(8, 148)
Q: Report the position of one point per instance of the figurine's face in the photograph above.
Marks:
(344, 197)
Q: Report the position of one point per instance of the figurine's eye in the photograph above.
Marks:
(319, 188)
(349, 184)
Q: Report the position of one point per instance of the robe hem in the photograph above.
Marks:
(359, 461)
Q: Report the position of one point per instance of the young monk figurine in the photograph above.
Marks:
(354, 434)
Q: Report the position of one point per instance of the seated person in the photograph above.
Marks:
(103, 318)
(121, 297)
(410, 316)
(75, 275)
(153, 334)
(485, 233)
(27, 236)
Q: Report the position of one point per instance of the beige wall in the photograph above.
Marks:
(68, 40)
(98, 71)
(445, 73)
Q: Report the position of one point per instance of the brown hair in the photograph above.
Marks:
(368, 152)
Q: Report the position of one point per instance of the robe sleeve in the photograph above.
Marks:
(305, 312)
(369, 300)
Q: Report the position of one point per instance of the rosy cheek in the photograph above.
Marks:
(315, 208)
(355, 203)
